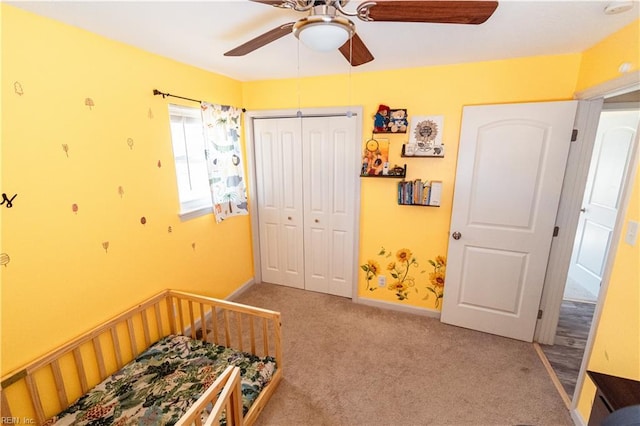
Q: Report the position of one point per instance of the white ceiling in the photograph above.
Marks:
(199, 32)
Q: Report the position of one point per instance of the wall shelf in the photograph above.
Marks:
(441, 155)
(419, 193)
(392, 176)
(416, 205)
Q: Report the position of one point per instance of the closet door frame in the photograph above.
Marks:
(249, 117)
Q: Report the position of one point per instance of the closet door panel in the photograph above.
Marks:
(316, 190)
(279, 193)
(270, 259)
(329, 173)
(339, 243)
(343, 180)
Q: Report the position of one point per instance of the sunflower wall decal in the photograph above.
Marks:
(426, 136)
(406, 275)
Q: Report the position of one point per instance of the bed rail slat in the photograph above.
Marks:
(252, 335)
(227, 331)
(57, 377)
(145, 329)
(35, 398)
(116, 347)
(82, 374)
(265, 337)
(214, 322)
(239, 330)
(180, 317)
(132, 337)
(191, 320)
(4, 405)
(203, 322)
(225, 387)
(172, 315)
(97, 347)
(277, 335)
(231, 393)
(156, 308)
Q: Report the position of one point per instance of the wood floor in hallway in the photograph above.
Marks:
(565, 356)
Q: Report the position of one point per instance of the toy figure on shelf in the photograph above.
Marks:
(376, 166)
(381, 119)
(398, 122)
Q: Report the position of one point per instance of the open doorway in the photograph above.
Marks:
(610, 162)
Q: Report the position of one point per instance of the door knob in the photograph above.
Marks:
(583, 210)
(289, 218)
(317, 221)
(456, 235)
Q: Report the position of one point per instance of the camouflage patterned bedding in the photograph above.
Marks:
(159, 386)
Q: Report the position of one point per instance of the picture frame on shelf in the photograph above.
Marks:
(425, 137)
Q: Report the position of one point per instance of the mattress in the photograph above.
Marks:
(160, 385)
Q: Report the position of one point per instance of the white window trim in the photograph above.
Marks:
(192, 214)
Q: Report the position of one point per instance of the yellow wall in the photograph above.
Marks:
(601, 62)
(440, 90)
(616, 347)
(60, 280)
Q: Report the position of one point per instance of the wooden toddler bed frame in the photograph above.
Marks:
(51, 383)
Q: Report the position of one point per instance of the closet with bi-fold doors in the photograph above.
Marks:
(306, 204)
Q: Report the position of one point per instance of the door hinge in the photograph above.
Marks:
(574, 135)
(539, 313)
(555, 231)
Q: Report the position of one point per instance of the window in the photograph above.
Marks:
(187, 135)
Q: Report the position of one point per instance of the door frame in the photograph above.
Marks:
(249, 116)
(558, 265)
(578, 272)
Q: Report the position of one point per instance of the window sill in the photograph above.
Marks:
(192, 214)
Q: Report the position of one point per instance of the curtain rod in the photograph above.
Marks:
(156, 92)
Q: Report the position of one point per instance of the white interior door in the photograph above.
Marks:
(329, 191)
(609, 163)
(511, 164)
(278, 153)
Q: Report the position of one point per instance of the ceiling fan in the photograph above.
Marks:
(327, 26)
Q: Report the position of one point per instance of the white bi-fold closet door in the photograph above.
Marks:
(306, 182)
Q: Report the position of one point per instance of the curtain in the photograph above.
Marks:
(224, 160)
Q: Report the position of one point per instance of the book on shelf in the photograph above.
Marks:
(426, 193)
(436, 193)
(419, 193)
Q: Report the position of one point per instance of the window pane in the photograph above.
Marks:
(188, 150)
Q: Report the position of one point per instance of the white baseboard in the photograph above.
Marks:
(237, 292)
(395, 307)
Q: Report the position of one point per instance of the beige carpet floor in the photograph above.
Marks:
(349, 364)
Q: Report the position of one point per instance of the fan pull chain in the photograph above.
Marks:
(349, 112)
(299, 113)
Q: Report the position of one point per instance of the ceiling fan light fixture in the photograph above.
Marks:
(324, 33)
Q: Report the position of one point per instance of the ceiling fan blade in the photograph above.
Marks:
(436, 11)
(261, 40)
(274, 3)
(358, 52)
